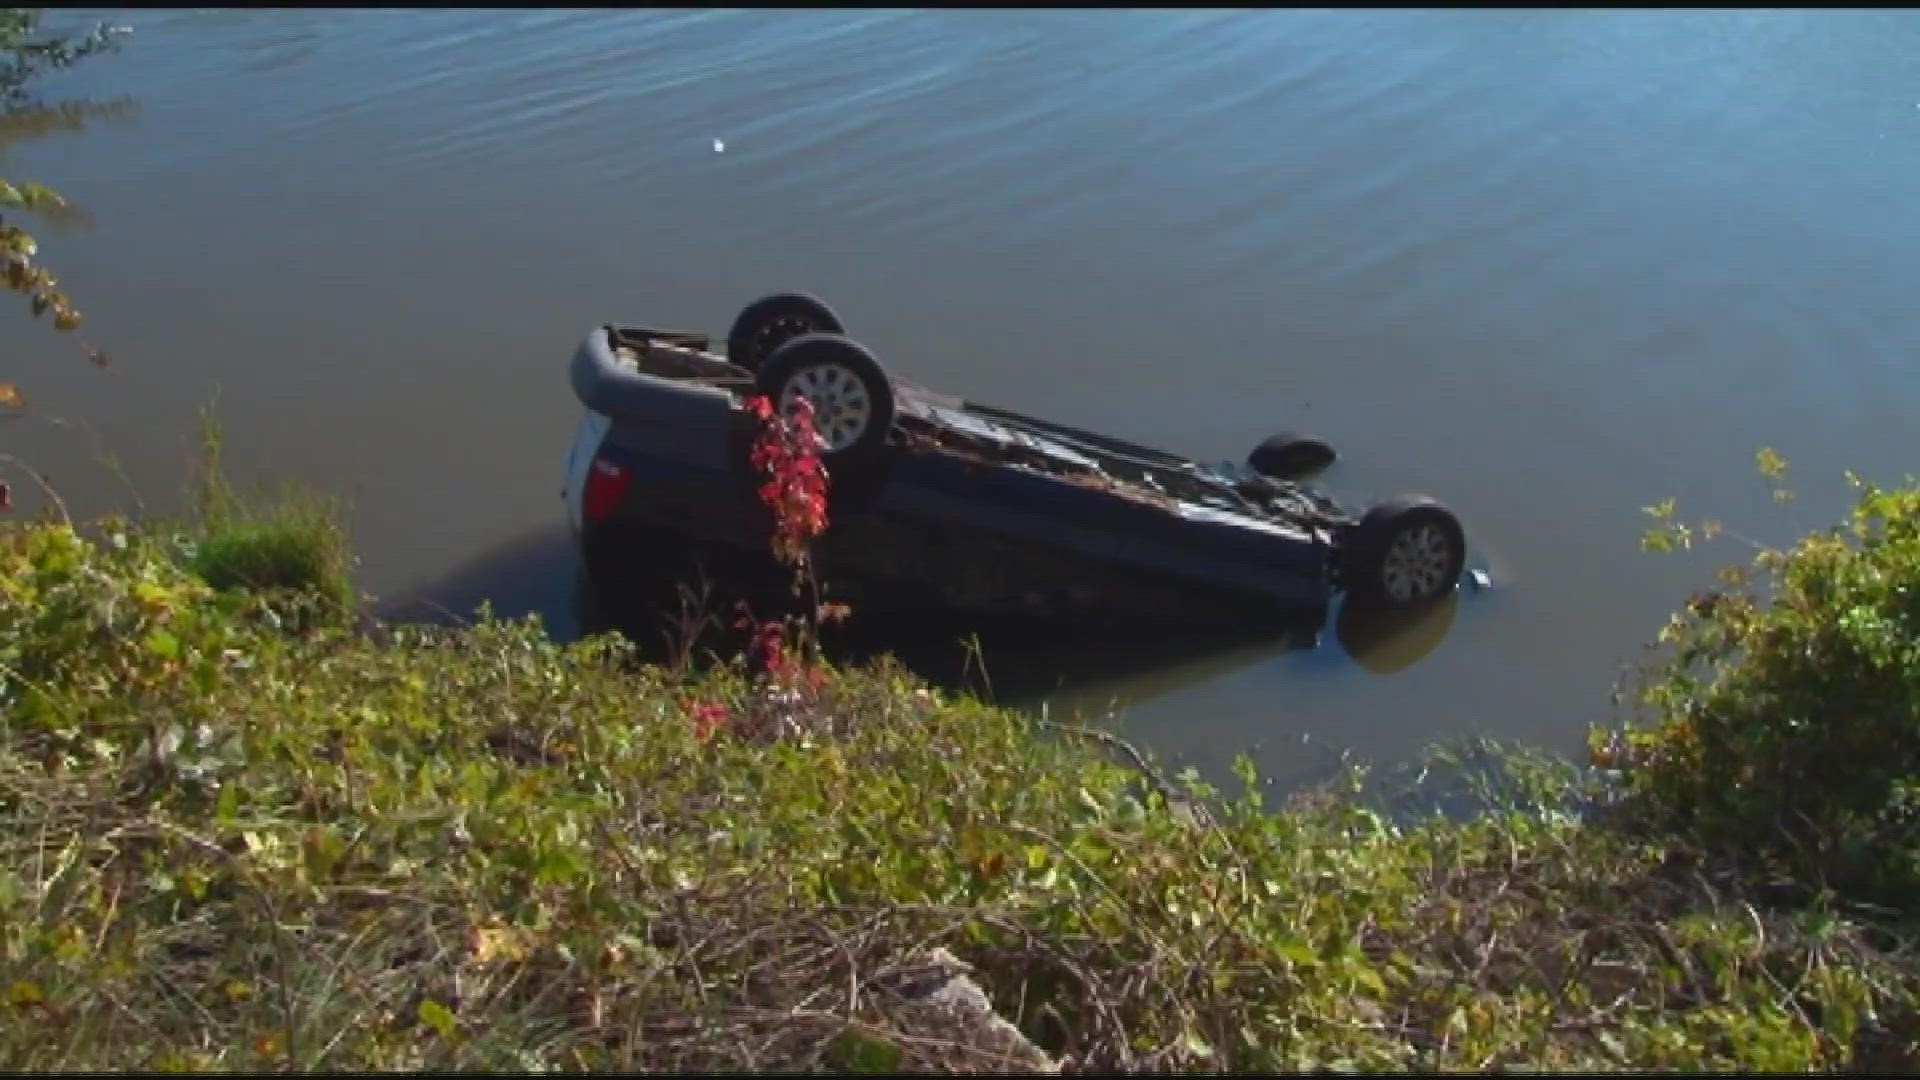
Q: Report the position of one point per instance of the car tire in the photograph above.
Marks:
(1405, 553)
(861, 462)
(1289, 455)
(852, 397)
(772, 321)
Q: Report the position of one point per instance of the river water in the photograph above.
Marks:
(1549, 267)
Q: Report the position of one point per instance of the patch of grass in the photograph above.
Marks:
(238, 839)
(293, 543)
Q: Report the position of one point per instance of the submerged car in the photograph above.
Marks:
(936, 499)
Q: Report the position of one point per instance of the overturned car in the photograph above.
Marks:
(940, 500)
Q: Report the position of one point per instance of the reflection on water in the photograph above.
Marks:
(1384, 642)
(533, 575)
(1024, 666)
(1096, 671)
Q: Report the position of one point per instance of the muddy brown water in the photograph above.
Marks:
(1547, 266)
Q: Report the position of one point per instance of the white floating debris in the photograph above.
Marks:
(1481, 580)
(719, 147)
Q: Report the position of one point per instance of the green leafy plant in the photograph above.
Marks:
(239, 838)
(1780, 723)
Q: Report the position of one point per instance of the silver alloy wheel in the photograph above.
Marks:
(1415, 566)
(841, 406)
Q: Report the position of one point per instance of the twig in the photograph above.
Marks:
(1132, 752)
(105, 457)
(977, 654)
(41, 482)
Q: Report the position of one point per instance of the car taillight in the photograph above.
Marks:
(606, 484)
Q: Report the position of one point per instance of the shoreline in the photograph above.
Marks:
(737, 867)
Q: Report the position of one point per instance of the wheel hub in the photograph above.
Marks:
(1416, 564)
(779, 331)
(841, 406)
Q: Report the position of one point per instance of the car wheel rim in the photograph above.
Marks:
(841, 406)
(1416, 564)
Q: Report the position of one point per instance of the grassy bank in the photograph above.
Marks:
(241, 834)
(240, 829)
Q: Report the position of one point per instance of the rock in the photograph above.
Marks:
(942, 1003)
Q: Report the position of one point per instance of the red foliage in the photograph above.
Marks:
(769, 647)
(789, 680)
(787, 453)
(708, 717)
